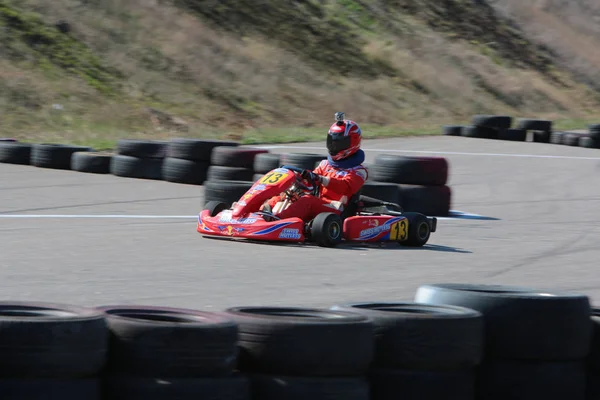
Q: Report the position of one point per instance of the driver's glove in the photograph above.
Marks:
(306, 174)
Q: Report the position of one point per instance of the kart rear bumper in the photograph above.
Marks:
(432, 223)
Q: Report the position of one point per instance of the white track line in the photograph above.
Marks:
(453, 215)
(440, 152)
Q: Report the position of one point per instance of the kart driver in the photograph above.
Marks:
(341, 175)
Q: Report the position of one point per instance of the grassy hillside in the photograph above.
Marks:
(91, 71)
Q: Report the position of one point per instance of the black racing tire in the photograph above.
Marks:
(91, 162)
(419, 229)
(234, 387)
(228, 156)
(142, 148)
(593, 358)
(515, 135)
(452, 130)
(492, 121)
(195, 149)
(225, 191)
(589, 142)
(266, 162)
(302, 160)
(326, 229)
(133, 167)
(410, 170)
(428, 200)
(15, 153)
(534, 125)
(55, 156)
(541, 137)
(215, 207)
(389, 192)
(480, 132)
(407, 335)
(178, 170)
(149, 342)
(532, 380)
(557, 137)
(301, 341)
(572, 139)
(387, 384)
(222, 173)
(47, 340)
(256, 177)
(522, 323)
(275, 387)
(594, 131)
(50, 389)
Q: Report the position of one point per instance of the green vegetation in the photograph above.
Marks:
(258, 71)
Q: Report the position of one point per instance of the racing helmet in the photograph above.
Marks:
(344, 138)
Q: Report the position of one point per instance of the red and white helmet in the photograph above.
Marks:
(344, 138)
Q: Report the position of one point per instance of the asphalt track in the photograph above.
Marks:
(112, 240)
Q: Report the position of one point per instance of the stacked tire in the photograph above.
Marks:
(188, 160)
(51, 351)
(91, 162)
(422, 352)
(12, 152)
(536, 343)
(54, 156)
(593, 360)
(264, 163)
(230, 174)
(142, 159)
(169, 353)
(299, 354)
(421, 182)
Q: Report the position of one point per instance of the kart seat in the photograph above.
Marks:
(352, 205)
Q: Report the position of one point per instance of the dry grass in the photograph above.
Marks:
(222, 82)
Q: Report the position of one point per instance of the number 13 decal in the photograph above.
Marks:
(273, 178)
(399, 230)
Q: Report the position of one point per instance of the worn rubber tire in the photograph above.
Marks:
(50, 389)
(532, 380)
(91, 162)
(557, 137)
(387, 384)
(228, 156)
(297, 341)
(492, 121)
(178, 170)
(515, 135)
(382, 191)
(47, 340)
(275, 387)
(534, 125)
(142, 148)
(222, 173)
(452, 130)
(410, 170)
(200, 388)
(572, 139)
(428, 200)
(593, 358)
(133, 167)
(225, 191)
(266, 162)
(15, 153)
(302, 160)
(149, 342)
(54, 156)
(522, 323)
(256, 177)
(407, 335)
(589, 142)
(195, 149)
(480, 132)
(594, 131)
(541, 137)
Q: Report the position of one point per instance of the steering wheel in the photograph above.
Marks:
(313, 188)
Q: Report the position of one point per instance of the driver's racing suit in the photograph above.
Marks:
(338, 186)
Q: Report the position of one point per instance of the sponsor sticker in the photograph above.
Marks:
(226, 218)
(376, 230)
(289, 233)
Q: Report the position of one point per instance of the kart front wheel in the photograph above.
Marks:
(215, 207)
(419, 229)
(326, 229)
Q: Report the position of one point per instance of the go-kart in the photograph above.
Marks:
(364, 219)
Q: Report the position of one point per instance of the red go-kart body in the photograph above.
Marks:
(245, 220)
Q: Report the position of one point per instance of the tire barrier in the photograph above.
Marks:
(15, 153)
(92, 162)
(451, 341)
(142, 159)
(55, 156)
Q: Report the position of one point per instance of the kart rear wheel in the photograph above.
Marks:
(326, 229)
(215, 207)
(419, 229)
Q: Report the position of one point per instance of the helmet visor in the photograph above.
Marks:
(337, 143)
